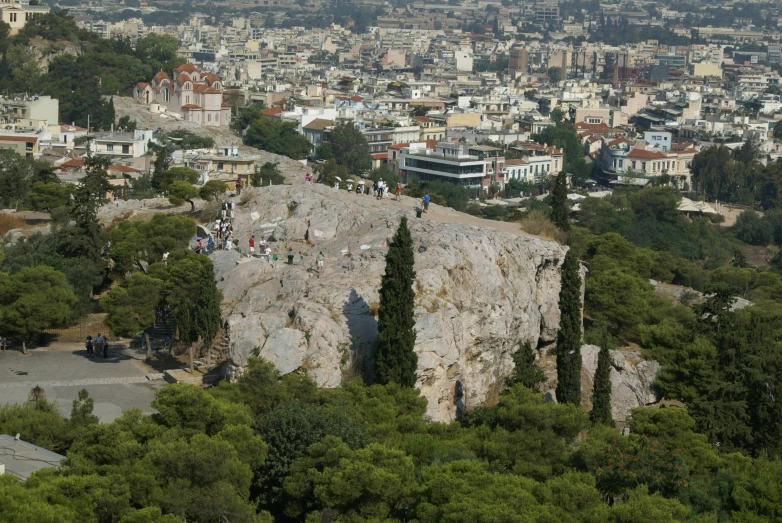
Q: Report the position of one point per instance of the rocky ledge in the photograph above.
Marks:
(479, 292)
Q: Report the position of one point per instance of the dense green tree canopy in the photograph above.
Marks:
(348, 147)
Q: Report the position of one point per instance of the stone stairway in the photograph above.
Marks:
(160, 331)
(218, 353)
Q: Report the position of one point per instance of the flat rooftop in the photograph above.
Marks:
(21, 459)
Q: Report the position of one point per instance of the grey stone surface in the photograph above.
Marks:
(479, 291)
(116, 384)
(632, 379)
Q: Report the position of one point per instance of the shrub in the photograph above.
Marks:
(536, 223)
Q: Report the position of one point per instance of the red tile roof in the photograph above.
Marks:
(422, 119)
(123, 169)
(191, 106)
(73, 163)
(160, 76)
(644, 154)
(380, 156)
(272, 111)
(142, 85)
(18, 138)
(186, 68)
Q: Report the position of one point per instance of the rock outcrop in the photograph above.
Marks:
(632, 380)
(479, 291)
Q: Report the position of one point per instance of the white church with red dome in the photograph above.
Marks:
(194, 95)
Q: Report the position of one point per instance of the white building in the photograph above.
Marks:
(122, 145)
(17, 13)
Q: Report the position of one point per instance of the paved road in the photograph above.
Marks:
(117, 383)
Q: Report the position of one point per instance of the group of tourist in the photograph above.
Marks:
(264, 249)
(97, 346)
(378, 189)
(225, 233)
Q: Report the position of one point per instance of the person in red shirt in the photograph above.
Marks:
(252, 245)
(398, 191)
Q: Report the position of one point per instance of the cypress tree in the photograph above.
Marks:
(525, 371)
(559, 206)
(110, 115)
(601, 398)
(395, 358)
(569, 335)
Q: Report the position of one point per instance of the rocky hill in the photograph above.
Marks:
(480, 291)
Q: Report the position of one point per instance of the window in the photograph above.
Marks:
(209, 117)
(29, 146)
(12, 17)
(126, 149)
(109, 147)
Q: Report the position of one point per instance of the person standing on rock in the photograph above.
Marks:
(425, 201)
(398, 191)
(252, 246)
(350, 187)
(320, 259)
(238, 187)
(228, 241)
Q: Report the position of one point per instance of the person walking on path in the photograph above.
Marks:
(228, 242)
(252, 246)
(98, 345)
(210, 245)
(398, 191)
(88, 346)
(238, 187)
(105, 348)
(426, 202)
(320, 258)
(350, 187)
(3, 343)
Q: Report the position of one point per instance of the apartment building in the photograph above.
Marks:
(461, 164)
(123, 145)
(24, 145)
(622, 157)
(30, 114)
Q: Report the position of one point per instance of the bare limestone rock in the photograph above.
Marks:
(632, 380)
(480, 291)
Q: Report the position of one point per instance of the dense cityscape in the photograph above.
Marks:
(463, 261)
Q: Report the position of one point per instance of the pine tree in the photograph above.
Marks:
(395, 359)
(569, 336)
(526, 371)
(559, 204)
